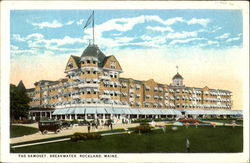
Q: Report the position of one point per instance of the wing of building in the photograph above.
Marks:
(93, 86)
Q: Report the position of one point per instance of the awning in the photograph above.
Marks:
(79, 110)
(126, 111)
(118, 111)
(90, 111)
(109, 110)
(101, 111)
(134, 111)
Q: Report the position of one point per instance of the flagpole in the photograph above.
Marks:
(93, 26)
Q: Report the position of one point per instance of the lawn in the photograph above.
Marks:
(203, 139)
(17, 131)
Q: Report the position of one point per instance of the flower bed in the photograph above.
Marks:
(189, 120)
(84, 136)
(145, 128)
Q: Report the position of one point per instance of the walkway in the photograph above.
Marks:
(39, 135)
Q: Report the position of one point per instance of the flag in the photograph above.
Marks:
(90, 19)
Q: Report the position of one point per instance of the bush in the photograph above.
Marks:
(143, 129)
(84, 136)
(24, 121)
(75, 121)
(141, 120)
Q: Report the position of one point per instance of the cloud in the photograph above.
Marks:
(224, 36)
(233, 39)
(174, 20)
(79, 22)
(13, 47)
(70, 22)
(53, 24)
(161, 29)
(126, 24)
(212, 42)
(17, 37)
(185, 41)
(36, 36)
(201, 21)
(124, 39)
(182, 34)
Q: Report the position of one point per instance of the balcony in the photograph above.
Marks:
(76, 96)
(75, 77)
(104, 77)
(105, 96)
(88, 85)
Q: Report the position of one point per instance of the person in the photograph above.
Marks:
(187, 145)
(111, 126)
(88, 127)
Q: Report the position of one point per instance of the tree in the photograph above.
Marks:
(18, 103)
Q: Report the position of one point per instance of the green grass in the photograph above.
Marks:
(227, 121)
(17, 131)
(204, 139)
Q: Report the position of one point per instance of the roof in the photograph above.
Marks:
(77, 59)
(42, 82)
(21, 86)
(30, 90)
(94, 51)
(177, 76)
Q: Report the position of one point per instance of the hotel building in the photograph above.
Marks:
(93, 88)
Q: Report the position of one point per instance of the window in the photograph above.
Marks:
(88, 72)
(88, 61)
(113, 65)
(83, 62)
(94, 62)
(88, 92)
(94, 72)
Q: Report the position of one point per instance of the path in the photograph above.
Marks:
(39, 135)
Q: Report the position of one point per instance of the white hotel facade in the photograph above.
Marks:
(94, 89)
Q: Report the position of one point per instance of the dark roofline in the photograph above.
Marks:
(30, 89)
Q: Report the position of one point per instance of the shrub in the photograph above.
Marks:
(143, 129)
(84, 136)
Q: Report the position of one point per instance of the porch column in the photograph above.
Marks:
(70, 117)
(75, 116)
(40, 114)
(50, 115)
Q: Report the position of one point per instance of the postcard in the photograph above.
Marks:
(106, 81)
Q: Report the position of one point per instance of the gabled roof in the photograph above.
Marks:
(77, 60)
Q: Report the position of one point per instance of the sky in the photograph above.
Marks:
(205, 44)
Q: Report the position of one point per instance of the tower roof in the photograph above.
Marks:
(177, 76)
(94, 51)
(21, 86)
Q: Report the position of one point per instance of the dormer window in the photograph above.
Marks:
(113, 65)
(70, 65)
